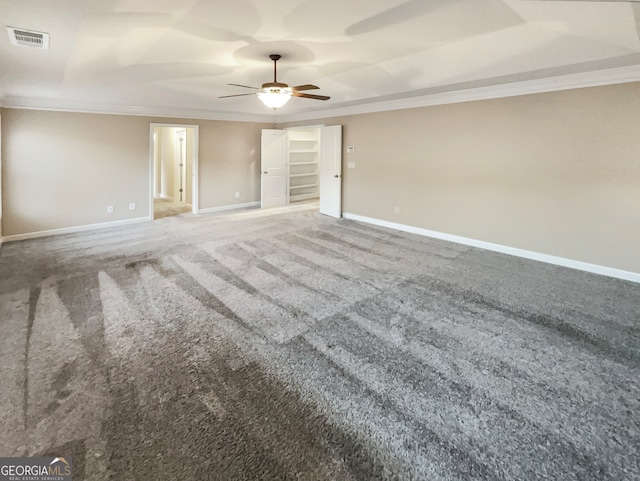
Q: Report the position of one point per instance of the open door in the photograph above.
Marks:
(331, 171)
(274, 168)
(181, 165)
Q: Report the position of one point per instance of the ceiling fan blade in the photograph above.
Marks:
(304, 87)
(236, 95)
(310, 96)
(244, 86)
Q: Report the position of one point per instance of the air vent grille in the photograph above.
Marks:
(28, 38)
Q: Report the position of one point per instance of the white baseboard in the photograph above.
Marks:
(211, 210)
(165, 197)
(72, 230)
(536, 256)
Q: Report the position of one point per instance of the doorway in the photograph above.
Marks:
(303, 165)
(173, 179)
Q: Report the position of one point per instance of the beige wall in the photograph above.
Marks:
(555, 173)
(232, 163)
(63, 169)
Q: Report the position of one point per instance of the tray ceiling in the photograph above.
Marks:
(176, 58)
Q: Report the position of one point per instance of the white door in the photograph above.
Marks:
(331, 171)
(274, 168)
(181, 162)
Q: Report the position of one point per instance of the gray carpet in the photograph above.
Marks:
(285, 345)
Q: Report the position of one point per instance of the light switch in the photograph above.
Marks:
(351, 149)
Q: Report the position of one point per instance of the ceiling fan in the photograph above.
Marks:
(275, 94)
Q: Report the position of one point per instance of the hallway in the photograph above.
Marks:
(166, 208)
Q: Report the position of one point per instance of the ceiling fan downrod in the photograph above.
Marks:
(275, 58)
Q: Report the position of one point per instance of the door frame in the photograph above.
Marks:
(195, 198)
(322, 128)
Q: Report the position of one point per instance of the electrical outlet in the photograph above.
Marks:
(132, 206)
(237, 194)
(109, 209)
(396, 210)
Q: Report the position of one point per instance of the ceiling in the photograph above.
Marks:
(164, 57)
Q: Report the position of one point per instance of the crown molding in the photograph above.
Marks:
(595, 78)
(33, 103)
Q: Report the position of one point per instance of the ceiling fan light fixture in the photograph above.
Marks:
(275, 94)
(274, 97)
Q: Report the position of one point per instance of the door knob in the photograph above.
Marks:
(337, 176)
(265, 172)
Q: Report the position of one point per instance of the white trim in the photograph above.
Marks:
(596, 78)
(73, 230)
(513, 251)
(211, 210)
(56, 105)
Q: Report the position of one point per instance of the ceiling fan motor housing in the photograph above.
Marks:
(274, 85)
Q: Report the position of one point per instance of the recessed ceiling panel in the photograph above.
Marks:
(167, 53)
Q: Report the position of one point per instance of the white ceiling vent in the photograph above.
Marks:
(28, 38)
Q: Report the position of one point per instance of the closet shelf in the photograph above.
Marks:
(303, 163)
(304, 186)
